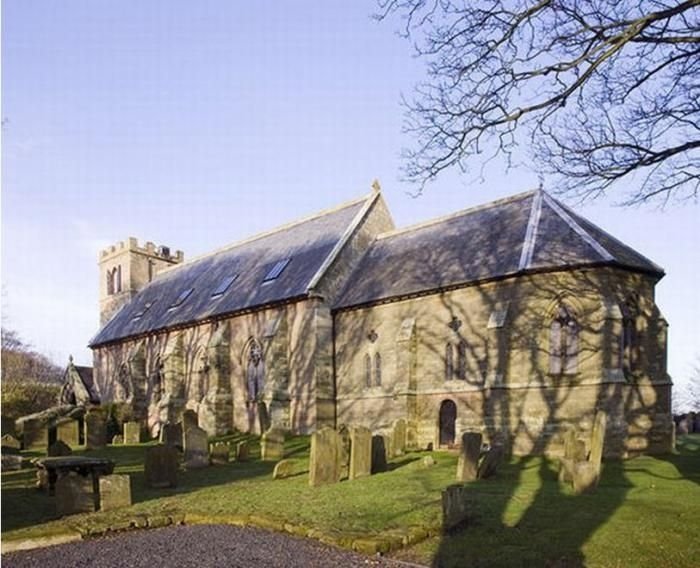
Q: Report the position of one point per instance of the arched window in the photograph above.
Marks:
(462, 361)
(449, 362)
(377, 369)
(563, 342)
(629, 339)
(118, 279)
(368, 370)
(110, 282)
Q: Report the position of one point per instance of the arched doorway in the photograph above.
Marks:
(448, 416)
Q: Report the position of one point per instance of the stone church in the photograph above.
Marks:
(516, 318)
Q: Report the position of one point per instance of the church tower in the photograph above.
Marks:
(125, 268)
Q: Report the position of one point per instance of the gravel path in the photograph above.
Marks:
(199, 546)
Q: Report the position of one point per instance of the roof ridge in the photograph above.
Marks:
(461, 213)
(267, 233)
(569, 220)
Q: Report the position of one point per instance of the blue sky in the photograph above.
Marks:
(194, 124)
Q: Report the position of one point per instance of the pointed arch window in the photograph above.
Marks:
(377, 370)
(563, 342)
(368, 370)
(449, 362)
(461, 370)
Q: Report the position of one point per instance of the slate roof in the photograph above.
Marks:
(524, 233)
(308, 243)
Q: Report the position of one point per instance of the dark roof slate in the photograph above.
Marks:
(527, 232)
(308, 243)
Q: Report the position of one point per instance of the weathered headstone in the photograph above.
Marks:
(683, 427)
(196, 448)
(68, 431)
(35, 435)
(398, 437)
(160, 467)
(218, 453)
(10, 442)
(490, 462)
(242, 451)
(455, 506)
(59, 448)
(115, 492)
(272, 445)
(598, 440)
(95, 429)
(343, 454)
(574, 452)
(117, 440)
(323, 463)
(283, 468)
(189, 419)
(378, 454)
(584, 476)
(132, 433)
(74, 494)
(360, 452)
(467, 464)
(428, 461)
(171, 435)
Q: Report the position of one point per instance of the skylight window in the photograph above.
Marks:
(147, 306)
(223, 286)
(181, 298)
(276, 270)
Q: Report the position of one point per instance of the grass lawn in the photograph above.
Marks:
(646, 511)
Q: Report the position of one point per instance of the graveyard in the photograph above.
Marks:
(643, 511)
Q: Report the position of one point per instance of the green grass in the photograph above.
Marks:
(645, 512)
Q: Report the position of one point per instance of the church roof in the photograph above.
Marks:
(269, 268)
(524, 233)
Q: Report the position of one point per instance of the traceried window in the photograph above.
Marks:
(563, 342)
(368, 370)
(377, 370)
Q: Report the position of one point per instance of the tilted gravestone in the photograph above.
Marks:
(95, 429)
(171, 435)
(35, 435)
(115, 492)
(160, 467)
(343, 454)
(360, 452)
(132, 433)
(398, 437)
(378, 454)
(68, 431)
(283, 468)
(491, 462)
(467, 464)
(74, 494)
(189, 419)
(242, 451)
(59, 448)
(455, 506)
(272, 445)
(323, 463)
(218, 453)
(196, 448)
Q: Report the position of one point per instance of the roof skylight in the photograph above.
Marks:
(181, 298)
(276, 270)
(147, 306)
(224, 285)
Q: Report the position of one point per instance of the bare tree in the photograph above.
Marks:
(601, 90)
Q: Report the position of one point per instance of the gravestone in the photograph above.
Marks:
(378, 454)
(95, 429)
(428, 461)
(683, 427)
(219, 453)
(10, 442)
(68, 431)
(115, 492)
(398, 437)
(196, 448)
(59, 448)
(132, 433)
(343, 454)
(35, 435)
(574, 452)
(323, 463)
(189, 419)
(360, 452)
(11, 462)
(117, 440)
(160, 467)
(171, 435)
(242, 451)
(283, 468)
(272, 445)
(74, 494)
(455, 506)
(598, 440)
(467, 464)
(491, 462)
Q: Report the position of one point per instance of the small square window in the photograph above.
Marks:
(223, 286)
(276, 270)
(181, 298)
